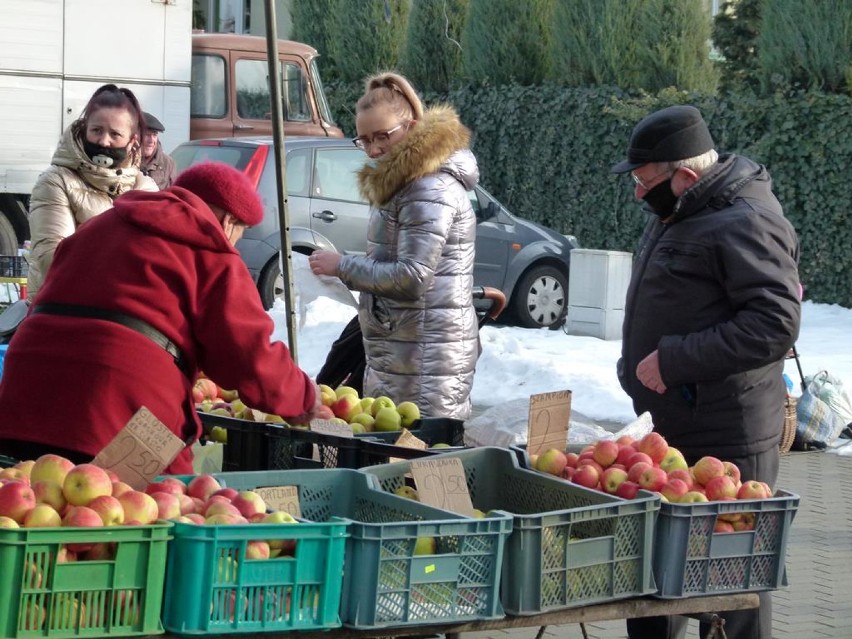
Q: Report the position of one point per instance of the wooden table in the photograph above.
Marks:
(624, 609)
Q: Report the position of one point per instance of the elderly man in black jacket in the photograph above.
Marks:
(712, 309)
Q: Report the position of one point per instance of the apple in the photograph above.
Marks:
(684, 475)
(612, 478)
(387, 419)
(222, 519)
(749, 490)
(723, 526)
(674, 489)
(587, 475)
(707, 468)
(281, 546)
(693, 497)
(327, 395)
(222, 499)
(33, 616)
(187, 504)
(654, 445)
(14, 474)
(732, 471)
(409, 412)
(624, 454)
(605, 452)
(195, 518)
(109, 509)
(16, 499)
(767, 488)
(366, 402)
(588, 461)
(85, 482)
(81, 517)
(50, 493)
(228, 493)
(551, 461)
(25, 467)
(340, 391)
(42, 516)
(168, 505)
(99, 552)
(637, 457)
(325, 412)
(570, 459)
(119, 488)
(257, 549)
(425, 546)
(207, 388)
(365, 420)
(673, 460)
(65, 556)
(653, 479)
(249, 503)
(588, 448)
(221, 508)
(408, 492)
(202, 486)
(568, 473)
(635, 470)
(138, 507)
(346, 407)
(625, 440)
(382, 401)
(8, 522)
(627, 490)
(720, 488)
(50, 467)
(167, 485)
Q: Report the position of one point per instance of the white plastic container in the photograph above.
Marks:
(597, 290)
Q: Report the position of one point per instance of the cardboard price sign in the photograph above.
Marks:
(328, 427)
(141, 450)
(284, 498)
(442, 483)
(407, 440)
(550, 415)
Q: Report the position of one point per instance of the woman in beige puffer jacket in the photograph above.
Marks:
(97, 160)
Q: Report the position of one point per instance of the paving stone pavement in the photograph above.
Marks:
(818, 601)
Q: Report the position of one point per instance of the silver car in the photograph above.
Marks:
(525, 260)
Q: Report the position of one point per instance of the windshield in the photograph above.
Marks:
(324, 110)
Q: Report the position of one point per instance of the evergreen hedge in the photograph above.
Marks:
(545, 153)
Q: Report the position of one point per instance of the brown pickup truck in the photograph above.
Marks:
(230, 95)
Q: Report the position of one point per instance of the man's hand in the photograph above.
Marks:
(305, 418)
(648, 372)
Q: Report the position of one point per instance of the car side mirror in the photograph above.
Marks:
(488, 212)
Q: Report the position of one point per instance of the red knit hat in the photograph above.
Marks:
(221, 185)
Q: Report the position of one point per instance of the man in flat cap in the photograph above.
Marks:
(712, 309)
(156, 163)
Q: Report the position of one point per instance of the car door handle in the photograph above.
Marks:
(243, 127)
(325, 216)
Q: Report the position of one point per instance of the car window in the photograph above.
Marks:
(253, 93)
(207, 94)
(298, 166)
(336, 174)
(235, 156)
(474, 203)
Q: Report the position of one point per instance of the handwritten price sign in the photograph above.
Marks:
(284, 498)
(141, 450)
(442, 483)
(550, 415)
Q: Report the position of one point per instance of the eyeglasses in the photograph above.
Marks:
(641, 183)
(363, 141)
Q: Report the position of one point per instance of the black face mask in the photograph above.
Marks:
(104, 156)
(661, 199)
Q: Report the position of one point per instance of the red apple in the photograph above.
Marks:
(81, 517)
(605, 452)
(684, 475)
(166, 485)
(673, 460)
(625, 440)
(693, 497)
(720, 488)
(249, 503)
(551, 461)
(653, 479)
(50, 467)
(568, 473)
(588, 461)
(654, 445)
(109, 509)
(257, 549)
(139, 508)
(587, 475)
(85, 482)
(635, 458)
(674, 489)
(202, 486)
(627, 490)
(732, 471)
(168, 505)
(707, 468)
(749, 490)
(723, 526)
(624, 454)
(16, 499)
(50, 493)
(227, 493)
(99, 552)
(571, 459)
(635, 470)
(119, 488)
(221, 507)
(42, 516)
(347, 406)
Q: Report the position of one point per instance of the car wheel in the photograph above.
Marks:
(541, 297)
(270, 283)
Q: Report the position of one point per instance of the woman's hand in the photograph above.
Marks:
(324, 262)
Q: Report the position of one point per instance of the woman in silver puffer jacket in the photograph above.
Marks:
(420, 331)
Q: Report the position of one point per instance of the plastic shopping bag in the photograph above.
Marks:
(818, 424)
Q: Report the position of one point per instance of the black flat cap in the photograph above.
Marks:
(153, 123)
(671, 134)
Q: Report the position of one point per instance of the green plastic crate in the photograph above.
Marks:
(570, 546)
(691, 559)
(385, 583)
(42, 596)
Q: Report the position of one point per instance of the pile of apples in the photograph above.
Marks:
(366, 414)
(623, 466)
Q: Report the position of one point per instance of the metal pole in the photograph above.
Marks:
(286, 256)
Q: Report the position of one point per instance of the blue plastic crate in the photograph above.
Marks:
(385, 582)
(570, 546)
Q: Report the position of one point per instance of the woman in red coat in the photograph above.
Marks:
(77, 369)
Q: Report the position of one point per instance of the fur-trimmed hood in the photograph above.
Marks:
(428, 148)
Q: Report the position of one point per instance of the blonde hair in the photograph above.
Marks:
(393, 90)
